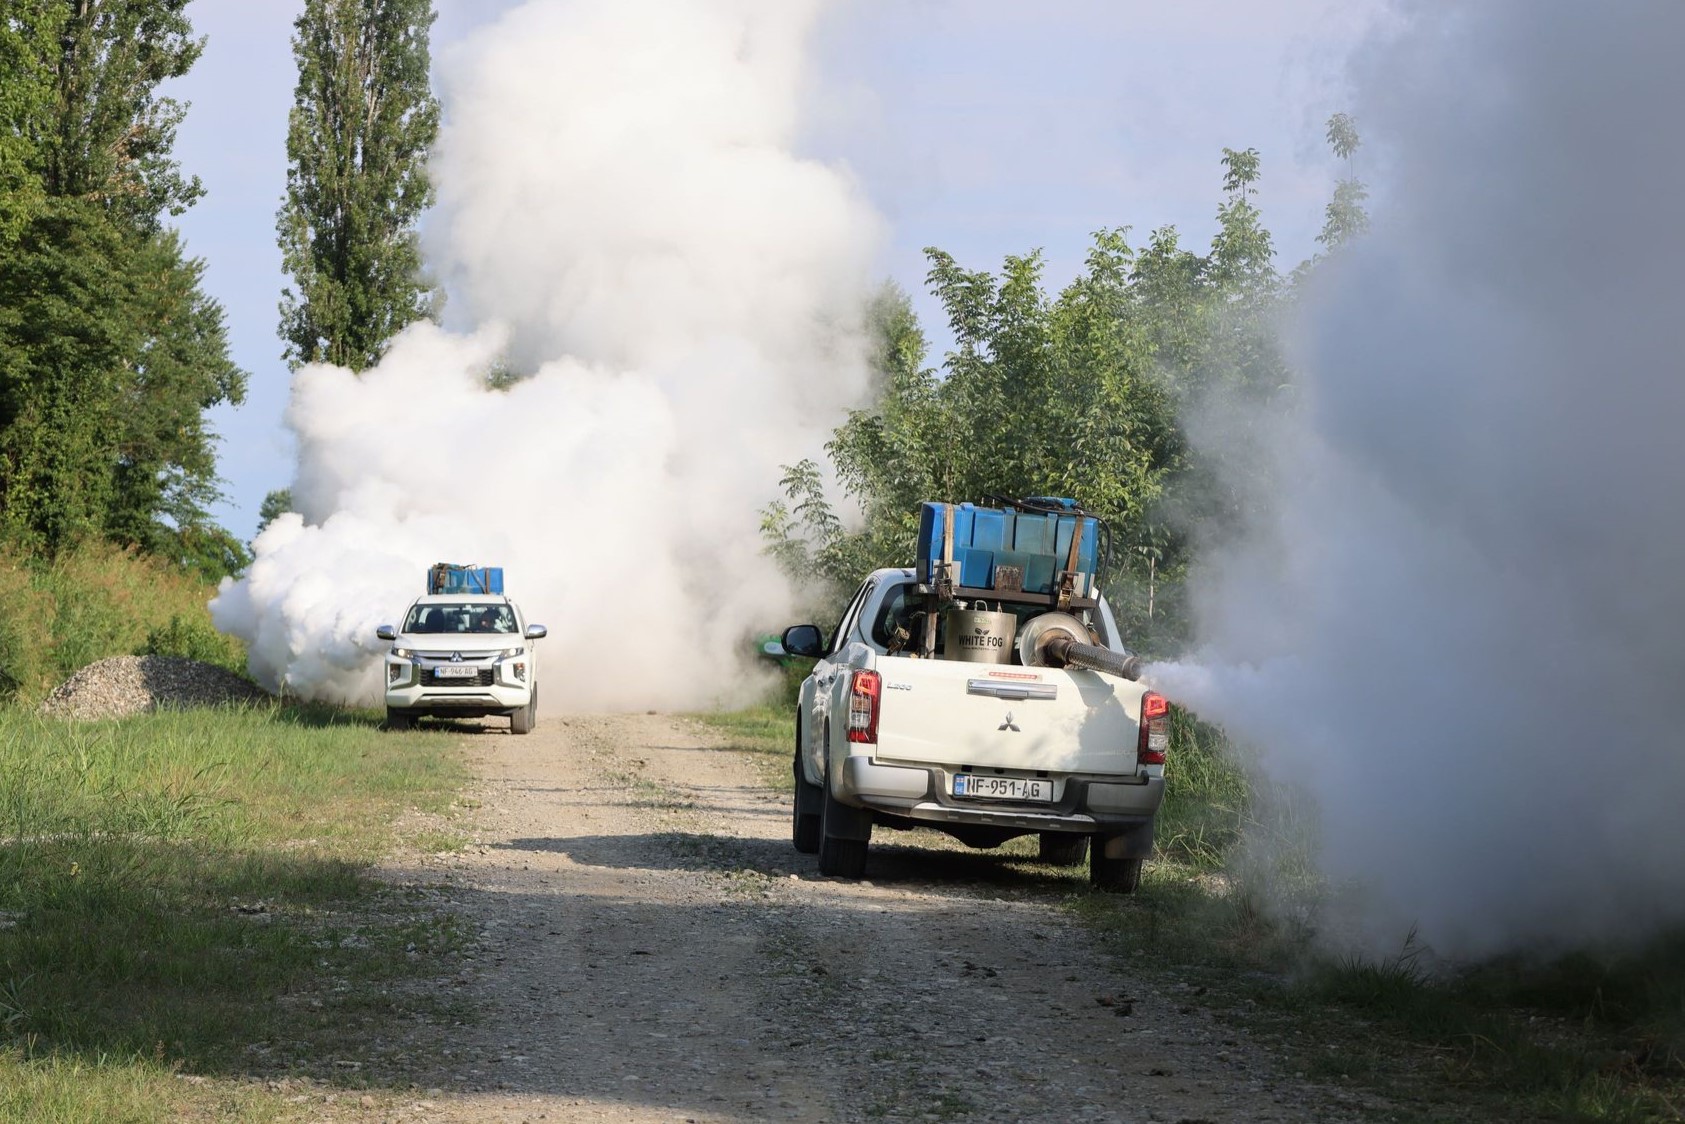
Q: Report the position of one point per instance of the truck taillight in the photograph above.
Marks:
(1154, 742)
(863, 697)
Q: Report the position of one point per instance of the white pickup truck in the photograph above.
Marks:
(462, 655)
(984, 752)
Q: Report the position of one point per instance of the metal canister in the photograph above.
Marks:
(979, 635)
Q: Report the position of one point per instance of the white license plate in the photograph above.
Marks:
(453, 671)
(1002, 788)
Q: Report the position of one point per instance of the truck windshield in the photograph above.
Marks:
(463, 617)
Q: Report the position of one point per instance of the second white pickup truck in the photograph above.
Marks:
(984, 752)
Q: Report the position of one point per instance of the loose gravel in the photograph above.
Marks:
(124, 685)
(650, 948)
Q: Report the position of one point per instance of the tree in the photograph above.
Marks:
(111, 136)
(1085, 394)
(109, 350)
(357, 140)
(1040, 396)
(275, 504)
(27, 36)
(1345, 217)
(1242, 253)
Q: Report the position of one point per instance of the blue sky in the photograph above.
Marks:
(984, 127)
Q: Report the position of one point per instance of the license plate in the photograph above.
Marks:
(1002, 788)
(456, 671)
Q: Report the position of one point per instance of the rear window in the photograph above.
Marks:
(898, 624)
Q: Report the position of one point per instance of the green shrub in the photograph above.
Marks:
(196, 640)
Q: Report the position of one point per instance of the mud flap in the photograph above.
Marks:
(809, 796)
(1131, 843)
(844, 822)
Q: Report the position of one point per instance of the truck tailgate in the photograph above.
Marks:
(1006, 717)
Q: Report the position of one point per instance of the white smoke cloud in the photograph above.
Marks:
(622, 215)
(1462, 626)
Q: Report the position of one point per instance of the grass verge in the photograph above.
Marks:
(766, 734)
(185, 895)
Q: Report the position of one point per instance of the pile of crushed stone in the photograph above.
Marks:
(125, 685)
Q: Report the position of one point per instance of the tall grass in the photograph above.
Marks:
(1206, 797)
(95, 602)
(176, 890)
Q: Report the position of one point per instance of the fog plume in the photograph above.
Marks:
(625, 221)
(1460, 624)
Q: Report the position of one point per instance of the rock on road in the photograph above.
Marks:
(653, 949)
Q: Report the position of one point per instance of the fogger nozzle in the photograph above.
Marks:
(1062, 651)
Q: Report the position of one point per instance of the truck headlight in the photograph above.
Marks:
(511, 652)
(402, 653)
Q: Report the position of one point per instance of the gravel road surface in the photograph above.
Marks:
(652, 949)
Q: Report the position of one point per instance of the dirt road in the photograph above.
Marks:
(653, 949)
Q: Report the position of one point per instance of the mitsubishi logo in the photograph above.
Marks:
(456, 657)
(1009, 724)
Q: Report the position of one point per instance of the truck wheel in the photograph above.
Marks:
(844, 858)
(521, 721)
(1061, 848)
(806, 807)
(1120, 876)
(398, 719)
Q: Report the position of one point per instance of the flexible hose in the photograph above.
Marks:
(1062, 651)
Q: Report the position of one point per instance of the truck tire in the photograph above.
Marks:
(398, 719)
(840, 856)
(1120, 876)
(1061, 848)
(522, 720)
(806, 807)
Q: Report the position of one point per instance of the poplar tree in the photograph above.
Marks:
(362, 122)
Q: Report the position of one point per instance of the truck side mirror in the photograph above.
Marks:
(386, 632)
(804, 640)
(537, 632)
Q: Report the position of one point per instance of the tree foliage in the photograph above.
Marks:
(362, 123)
(1087, 393)
(112, 133)
(275, 504)
(27, 38)
(1345, 217)
(110, 351)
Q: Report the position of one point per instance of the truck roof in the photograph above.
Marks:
(462, 599)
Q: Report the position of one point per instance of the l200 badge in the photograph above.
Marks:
(898, 686)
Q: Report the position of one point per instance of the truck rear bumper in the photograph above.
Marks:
(929, 812)
(1086, 805)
